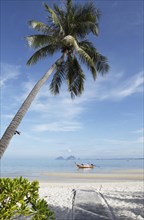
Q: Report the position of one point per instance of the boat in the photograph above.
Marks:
(85, 165)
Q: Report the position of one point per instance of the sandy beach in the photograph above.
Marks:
(121, 192)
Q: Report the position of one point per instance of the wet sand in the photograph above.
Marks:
(116, 175)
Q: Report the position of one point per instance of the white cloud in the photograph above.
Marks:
(113, 87)
(139, 140)
(117, 141)
(61, 106)
(58, 126)
(8, 72)
(63, 114)
(8, 116)
(116, 89)
(139, 131)
(131, 86)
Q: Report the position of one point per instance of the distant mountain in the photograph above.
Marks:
(68, 158)
(71, 158)
(60, 158)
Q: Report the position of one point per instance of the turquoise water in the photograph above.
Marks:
(36, 167)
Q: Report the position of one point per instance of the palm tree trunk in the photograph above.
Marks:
(7, 136)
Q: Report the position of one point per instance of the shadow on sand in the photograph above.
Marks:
(62, 213)
(128, 206)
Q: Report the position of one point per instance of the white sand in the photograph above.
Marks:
(125, 199)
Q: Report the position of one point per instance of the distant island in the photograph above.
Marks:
(71, 158)
(60, 158)
(68, 158)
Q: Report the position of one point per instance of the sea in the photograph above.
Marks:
(36, 168)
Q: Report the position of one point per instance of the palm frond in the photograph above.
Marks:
(40, 40)
(101, 63)
(54, 17)
(60, 13)
(58, 77)
(75, 76)
(88, 12)
(65, 18)
(88, 47)
(39, 26)
(86, 59)
(89, 26)
(69, 41)
(86, 20)
(42, 53)
(68, 6)
(81, 29)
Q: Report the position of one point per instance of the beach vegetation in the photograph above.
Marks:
(19, 198)
(66, 33)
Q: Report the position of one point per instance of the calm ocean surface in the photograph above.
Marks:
(36, 167)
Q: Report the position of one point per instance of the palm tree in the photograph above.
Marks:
(66, 31)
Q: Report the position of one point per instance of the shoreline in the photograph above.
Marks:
(116, 175)
(82, 176)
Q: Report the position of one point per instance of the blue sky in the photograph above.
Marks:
(107, 120)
